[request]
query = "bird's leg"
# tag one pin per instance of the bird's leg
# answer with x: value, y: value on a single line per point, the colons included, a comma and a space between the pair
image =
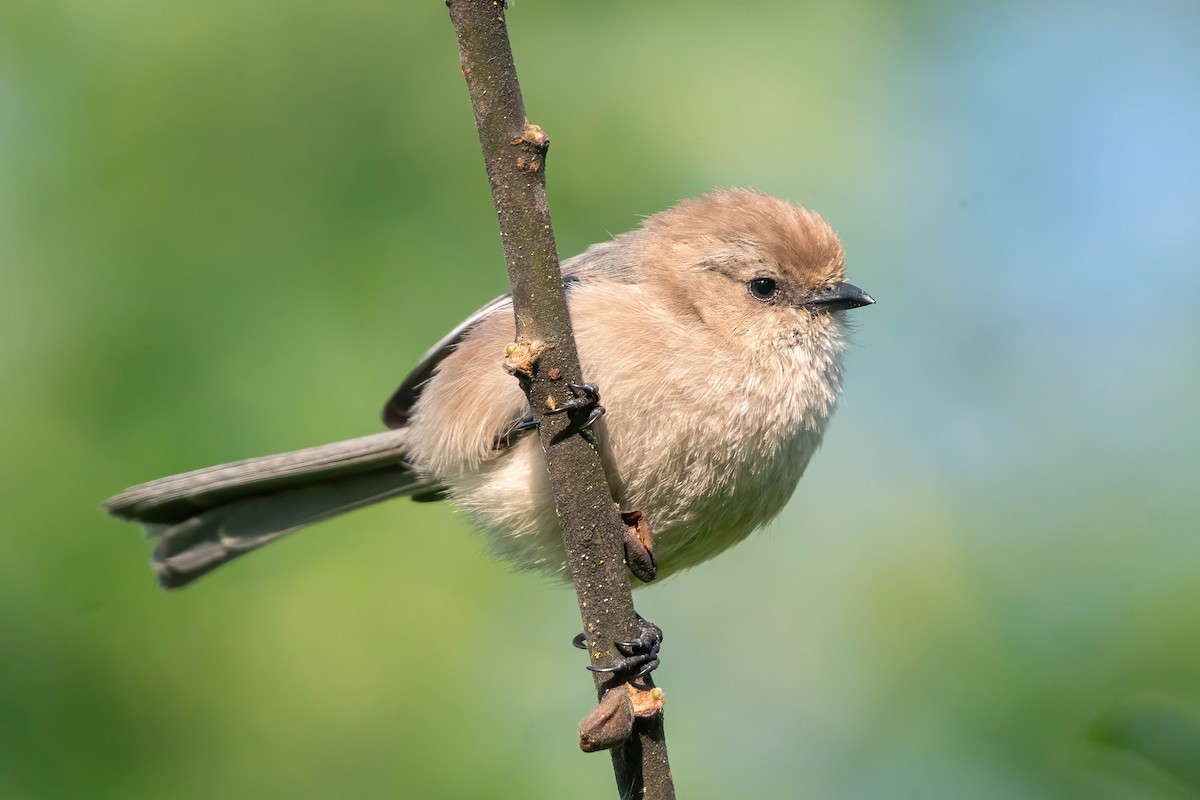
x: 640, y: 655
x: 639, y: 546
x: 585, y: 397
x: 524, y: 425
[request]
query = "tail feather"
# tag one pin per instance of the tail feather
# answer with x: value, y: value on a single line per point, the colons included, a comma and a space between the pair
x: 206, y: 518
x: 177, y: 497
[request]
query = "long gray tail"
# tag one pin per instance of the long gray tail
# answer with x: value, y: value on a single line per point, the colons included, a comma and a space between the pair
x: 206, y: 518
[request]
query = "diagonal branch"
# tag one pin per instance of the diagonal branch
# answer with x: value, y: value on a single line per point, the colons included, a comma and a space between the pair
x: 515, y: 155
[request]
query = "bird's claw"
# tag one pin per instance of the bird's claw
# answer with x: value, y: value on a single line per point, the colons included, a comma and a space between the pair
x: 584, y: 396
x: 640, y: 654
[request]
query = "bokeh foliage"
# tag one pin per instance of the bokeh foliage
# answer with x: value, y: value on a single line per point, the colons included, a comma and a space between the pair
x: 229, y: 228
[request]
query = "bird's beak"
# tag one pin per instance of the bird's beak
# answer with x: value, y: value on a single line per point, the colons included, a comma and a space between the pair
x: 840, y: 297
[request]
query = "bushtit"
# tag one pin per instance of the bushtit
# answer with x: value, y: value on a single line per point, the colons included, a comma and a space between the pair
x: 714, y: 332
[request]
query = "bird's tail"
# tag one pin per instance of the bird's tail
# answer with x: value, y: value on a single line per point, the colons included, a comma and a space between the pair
x: 206, y: 518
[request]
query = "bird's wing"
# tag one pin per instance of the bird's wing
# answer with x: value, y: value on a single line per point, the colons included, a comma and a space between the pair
x: 400, y: 405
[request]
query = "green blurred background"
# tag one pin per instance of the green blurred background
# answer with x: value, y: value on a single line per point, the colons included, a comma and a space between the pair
x: 230, y: 228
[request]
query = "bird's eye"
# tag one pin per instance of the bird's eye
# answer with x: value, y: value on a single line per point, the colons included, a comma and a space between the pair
x: 762, y: 288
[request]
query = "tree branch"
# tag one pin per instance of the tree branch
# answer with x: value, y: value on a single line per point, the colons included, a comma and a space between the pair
x: 514, y: 152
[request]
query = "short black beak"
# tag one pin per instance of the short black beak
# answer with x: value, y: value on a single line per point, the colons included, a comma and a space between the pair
x: 841, y: 296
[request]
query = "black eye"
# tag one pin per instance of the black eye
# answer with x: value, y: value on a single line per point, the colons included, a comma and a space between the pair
x: 762, y: 288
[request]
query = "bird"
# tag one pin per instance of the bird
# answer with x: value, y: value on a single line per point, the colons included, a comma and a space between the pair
x: 715, y: 332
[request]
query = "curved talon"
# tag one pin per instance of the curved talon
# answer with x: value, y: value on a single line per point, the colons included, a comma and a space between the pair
x: 613, y: 668
x: 596, y: 413
x: 649, y: 640
x: 646, y: 670
x: 640, y: 655
x: 586, y: 396
x: 639, y: 663
x: 580, y: 641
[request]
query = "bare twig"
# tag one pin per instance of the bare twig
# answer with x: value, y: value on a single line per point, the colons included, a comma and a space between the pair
x: 515, y: 154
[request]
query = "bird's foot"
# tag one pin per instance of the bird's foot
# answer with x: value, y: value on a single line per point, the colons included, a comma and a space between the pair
x: 586, y: 397
x: 640, y: 656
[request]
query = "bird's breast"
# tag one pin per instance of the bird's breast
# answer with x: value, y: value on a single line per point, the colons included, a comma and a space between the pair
x: 713, y: 455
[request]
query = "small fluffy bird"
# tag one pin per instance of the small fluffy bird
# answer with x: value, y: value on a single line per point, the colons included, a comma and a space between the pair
x: 715, y: 332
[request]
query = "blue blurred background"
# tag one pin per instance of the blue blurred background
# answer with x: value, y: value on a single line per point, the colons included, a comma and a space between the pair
x: 229, y: 228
